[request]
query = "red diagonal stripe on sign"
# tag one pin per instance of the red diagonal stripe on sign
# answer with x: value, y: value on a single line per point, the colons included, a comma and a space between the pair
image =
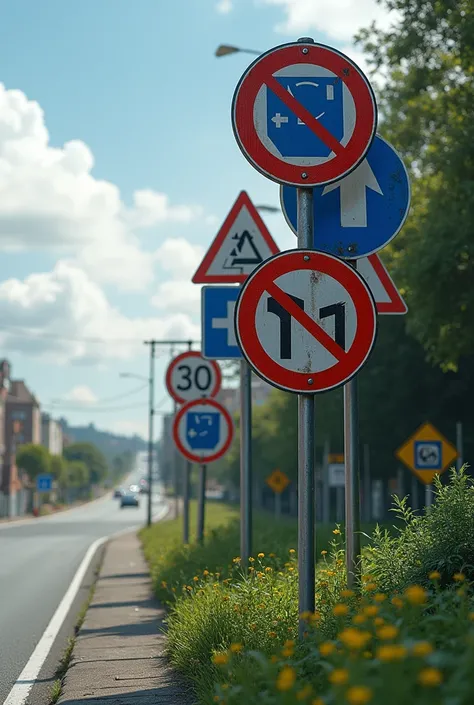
x: 300, y: 111
x: 306, y: 321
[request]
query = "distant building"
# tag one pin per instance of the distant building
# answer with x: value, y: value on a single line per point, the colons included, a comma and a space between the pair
x: 51, y: 435
x: 4, y: 388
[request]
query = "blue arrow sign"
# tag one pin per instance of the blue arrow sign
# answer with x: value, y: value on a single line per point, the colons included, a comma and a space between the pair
x: 361, y: 213
x: 44, y: 483
x: 217, y: 320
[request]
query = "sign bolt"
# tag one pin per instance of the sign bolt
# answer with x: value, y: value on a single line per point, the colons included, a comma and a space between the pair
x: 306, y: 258
x: 304, y: 175
x: 305, y: 50
x: 310, y: 380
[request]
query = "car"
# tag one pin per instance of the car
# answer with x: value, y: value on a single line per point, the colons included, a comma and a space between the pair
x: 118, y: 493
x: 129, y: 500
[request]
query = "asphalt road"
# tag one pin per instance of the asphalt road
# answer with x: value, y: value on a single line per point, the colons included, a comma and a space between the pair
x: 38, y: 560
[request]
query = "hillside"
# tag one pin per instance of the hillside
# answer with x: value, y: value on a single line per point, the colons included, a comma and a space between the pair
x: 110, y: 444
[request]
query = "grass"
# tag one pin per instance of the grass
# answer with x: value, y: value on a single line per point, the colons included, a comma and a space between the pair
x: 406, y: 635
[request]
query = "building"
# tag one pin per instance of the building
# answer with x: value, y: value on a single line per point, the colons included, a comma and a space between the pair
x: 230, y: 396
x: 5, y: 370
x: 51, y: 435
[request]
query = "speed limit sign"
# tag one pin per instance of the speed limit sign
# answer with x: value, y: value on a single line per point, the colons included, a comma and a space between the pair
x: 190, y: 377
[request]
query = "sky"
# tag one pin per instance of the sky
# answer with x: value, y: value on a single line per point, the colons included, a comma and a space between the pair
x: 117, y: 166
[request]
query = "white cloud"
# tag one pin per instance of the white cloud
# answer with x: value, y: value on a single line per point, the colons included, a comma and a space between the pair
x: 178, y: 296
x: 81, y: 394
x: 339, y: 19
x: 180, y: 259
x: 49, y: 199
x: 224, y: 6
x: 55, y: 314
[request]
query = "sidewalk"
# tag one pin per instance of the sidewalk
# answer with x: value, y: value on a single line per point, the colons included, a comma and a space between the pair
x: 119, y: 656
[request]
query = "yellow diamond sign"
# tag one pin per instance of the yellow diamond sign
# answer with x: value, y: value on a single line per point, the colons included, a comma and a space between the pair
x: 278, y: 481
x: 427, y: 453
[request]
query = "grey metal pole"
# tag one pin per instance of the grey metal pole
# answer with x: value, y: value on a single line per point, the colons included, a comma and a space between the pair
x: 306, y: 446
x: 186, y: 481
x: 459, y: 445
x: 326, y: 513
x: 245, y: 463
x: 351, y: 461
x: 414, y: 493
x: 428, y: 495
x: 177, y: 459
x: 339, y: 503
x: 277, y: 505
x: 151, y: 413
x: 367, y: 498
x: 201, y: 503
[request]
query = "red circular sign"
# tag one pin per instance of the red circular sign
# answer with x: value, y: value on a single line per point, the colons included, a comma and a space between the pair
x: 189, y: 376
x: 305, y: 321
x: 220, y: 440
x: 293, y: 145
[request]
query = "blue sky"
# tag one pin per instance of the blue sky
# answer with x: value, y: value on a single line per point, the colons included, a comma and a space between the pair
x: 137, y: 91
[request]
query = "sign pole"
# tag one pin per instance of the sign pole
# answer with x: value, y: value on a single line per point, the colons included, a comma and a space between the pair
x: 351, y: 460
x: 151, y: 413
x: 201, y: 503
x: 459, y: 445
x: 277, y: 505
x: 306, y: 445
x: 245, y: 463
x: 428, y: 495
x: 187, y: 477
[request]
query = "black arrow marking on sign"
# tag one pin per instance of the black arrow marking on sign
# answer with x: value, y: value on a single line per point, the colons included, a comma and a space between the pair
x: 305, y: 116
x: 306, y: 321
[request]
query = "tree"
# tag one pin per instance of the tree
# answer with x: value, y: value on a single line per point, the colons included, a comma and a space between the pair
x: 33, y: 459
x: 426, y: 105
x: 77, y: 474
x: 59, y: 469
x: 91, y: 456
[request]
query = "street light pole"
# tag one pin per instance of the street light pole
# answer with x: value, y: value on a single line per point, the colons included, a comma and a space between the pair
x: 151, y: 412
x: 226, y: 49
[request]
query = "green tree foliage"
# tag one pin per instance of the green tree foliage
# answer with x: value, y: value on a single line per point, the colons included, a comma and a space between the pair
x: 426, y: 106
x: 33, y: 459
x: 91, y: 457
x: 59, y: 469
x: 78, y: 474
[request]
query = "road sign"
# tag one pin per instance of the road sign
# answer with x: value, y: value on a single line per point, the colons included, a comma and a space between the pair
x: 336, y: 475
x: 387, y: 297
x: 189, y: 376
x: 305, y: 321
x: 242, y: 243
x: 44, y: 483
x: 427, y: 453
x: 337, y: 458
x: 217, y: 321
x: 304, y: 114
x: 359, y: 214
x: 203, y: 430
x: 278, y: 481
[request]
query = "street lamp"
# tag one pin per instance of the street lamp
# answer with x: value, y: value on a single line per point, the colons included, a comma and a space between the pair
x: 225, y: 49
x: 133, y: 376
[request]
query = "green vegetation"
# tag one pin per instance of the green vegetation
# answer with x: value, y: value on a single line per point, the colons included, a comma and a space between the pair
x: 33, y: 459
x: 91, y: 457
x: 233, y: 632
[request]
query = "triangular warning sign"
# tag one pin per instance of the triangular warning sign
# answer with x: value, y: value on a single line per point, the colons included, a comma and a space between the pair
x: 387, y: 297
x: 242, y: 243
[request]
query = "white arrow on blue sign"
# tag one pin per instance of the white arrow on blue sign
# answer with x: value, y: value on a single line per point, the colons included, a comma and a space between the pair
x: 361, y: 213
x: 217, y: 320
x: 44, y: 483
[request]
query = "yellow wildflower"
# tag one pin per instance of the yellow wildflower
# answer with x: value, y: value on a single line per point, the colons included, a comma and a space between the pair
x: 314, y: 618
x: 416, y: 595
x: 359, y: 619
x: 358, y: 695
x: 274, y: 658
x: 434, y: 575
x: 205, y: 572
x: 251, y: 560
x: 354, y: 638
x: 289, y: 642
x: 371, y: 610
x: 292, y: 550
x: 236, y: 648
x: 304, y: 693
x: 272, y: 635
x: 195, y: 578
x: 225, y: 598
x: 370, y: 587
x: 237, y: 559
x: 164, y: 584
x: 422, y: 648
x: 305, y: 615
x: 347, y: 593
x: 397, y: 602
x: 287, y: 651
x: 253, y: 626
x: 317, y: 701
x: 388, y: 632
x: 459, y: 577
x: 379, y: 621
x: 430, y: 677
x: 220, y: 659
x: 391, y: 652
x: 323, y: 553
x: 261, y: 555
x: 268, y: 569
x: 340, y: 610
x: 339, y: 676
x: 286, y: 678
x: 326, y: 648
x: 336, y: 532
x: 217, y: 698
x: 380, y: 597
x: 272, y: 555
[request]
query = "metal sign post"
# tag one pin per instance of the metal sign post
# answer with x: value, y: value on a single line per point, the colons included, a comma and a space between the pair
x: 306, y: 446
x: 151, y: 413
x: 201, y: 503
x: 186, y: 488
x: 351, y: 460
x: 245, y: 463
x: 459, y: 445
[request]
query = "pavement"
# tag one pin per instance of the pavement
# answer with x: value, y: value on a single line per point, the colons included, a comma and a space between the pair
x: 119, y: 655
x: 38, y: 560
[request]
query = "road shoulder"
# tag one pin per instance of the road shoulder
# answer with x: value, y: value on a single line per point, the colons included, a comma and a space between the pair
x: 119, y: 652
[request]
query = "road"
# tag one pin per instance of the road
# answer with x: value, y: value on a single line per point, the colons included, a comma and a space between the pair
x: 38, y: 560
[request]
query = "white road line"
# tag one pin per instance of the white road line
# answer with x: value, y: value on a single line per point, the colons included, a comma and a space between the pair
x: 27, y: 678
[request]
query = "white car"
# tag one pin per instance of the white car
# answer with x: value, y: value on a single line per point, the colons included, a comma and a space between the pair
x: 134, y: 488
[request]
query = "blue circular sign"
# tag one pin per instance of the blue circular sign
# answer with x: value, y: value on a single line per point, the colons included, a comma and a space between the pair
x: 361, y: 213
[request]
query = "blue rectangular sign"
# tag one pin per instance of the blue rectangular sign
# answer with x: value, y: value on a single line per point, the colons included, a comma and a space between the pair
x: 44, y: 483
x: 217, y: 320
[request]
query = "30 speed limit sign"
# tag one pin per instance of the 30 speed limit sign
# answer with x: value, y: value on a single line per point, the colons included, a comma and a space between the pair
x: 190, y: 377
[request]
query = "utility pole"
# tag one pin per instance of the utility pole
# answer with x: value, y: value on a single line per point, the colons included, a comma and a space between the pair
x: 151, y: 413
